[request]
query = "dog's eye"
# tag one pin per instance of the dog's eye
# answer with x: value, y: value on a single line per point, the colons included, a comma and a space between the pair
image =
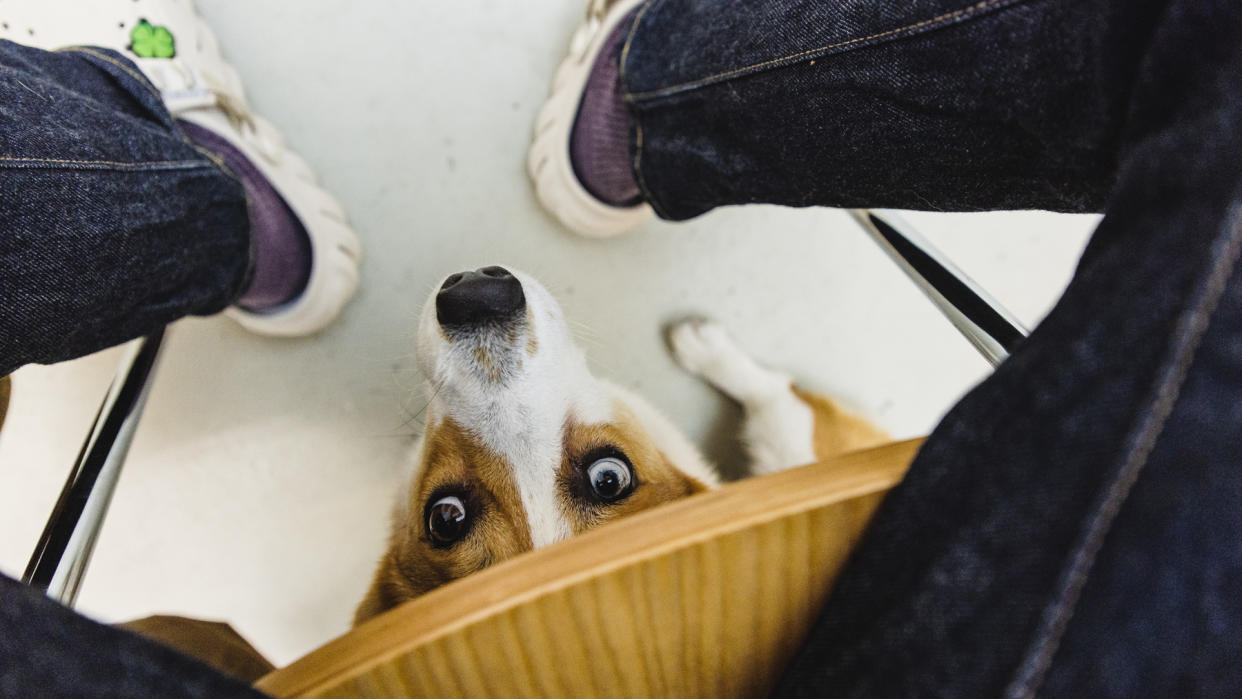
x: 446, y: 520
x: 610, y: 479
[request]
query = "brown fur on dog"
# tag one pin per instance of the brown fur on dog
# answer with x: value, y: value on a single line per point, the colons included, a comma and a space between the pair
x: 838, y: 431
x: 659, y: 480
x: 5, y: 389
x: 453, y: 458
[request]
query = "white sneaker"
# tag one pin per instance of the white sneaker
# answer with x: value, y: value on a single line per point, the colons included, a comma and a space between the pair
x: 178, y: 53
x: 548, y: 162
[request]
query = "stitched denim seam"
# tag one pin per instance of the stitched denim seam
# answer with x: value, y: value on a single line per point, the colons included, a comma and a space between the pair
x: 947, y: 18
x: 60, y: 163
x: 146, y: 84
x: 637, y: 164
x: 142, y: 80
x: 215, y: 159
x: 648, y: 195
x: 1192, y: 327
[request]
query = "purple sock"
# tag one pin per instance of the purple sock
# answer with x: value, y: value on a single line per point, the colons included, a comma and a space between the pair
x: 599, y: 146
x: 282, y: 249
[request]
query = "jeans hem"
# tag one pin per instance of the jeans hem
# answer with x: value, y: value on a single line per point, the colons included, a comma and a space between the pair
x: 636, y: 164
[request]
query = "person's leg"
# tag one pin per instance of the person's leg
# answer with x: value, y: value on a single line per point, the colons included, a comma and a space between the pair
x: 113, y: 222
x: 48, y: 651
x: 936, y: 104
x: 1073, y: 526
x: 138, y: 186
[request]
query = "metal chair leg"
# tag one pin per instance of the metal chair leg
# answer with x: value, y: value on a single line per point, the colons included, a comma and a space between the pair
x: 64, y: 550
x: 984, y: 322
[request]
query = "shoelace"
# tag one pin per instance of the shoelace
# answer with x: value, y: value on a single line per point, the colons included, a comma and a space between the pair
x: 184, y: 89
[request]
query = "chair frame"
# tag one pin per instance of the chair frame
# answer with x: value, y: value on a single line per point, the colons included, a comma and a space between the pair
x: 63, y: 554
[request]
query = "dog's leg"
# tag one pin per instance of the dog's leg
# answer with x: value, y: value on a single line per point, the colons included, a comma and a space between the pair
x: 784, y: 426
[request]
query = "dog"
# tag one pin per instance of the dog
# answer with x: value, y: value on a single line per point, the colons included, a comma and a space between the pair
x: 523, y: 447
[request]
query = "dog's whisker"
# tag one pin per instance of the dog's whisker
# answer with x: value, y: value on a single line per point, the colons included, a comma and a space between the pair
x: 584, y: 332
x: 411, y: 421
x: 426, y: 404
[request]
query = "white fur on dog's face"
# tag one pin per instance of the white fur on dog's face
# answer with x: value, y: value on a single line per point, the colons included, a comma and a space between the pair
x: 514, y: 417
x: 515, y: 393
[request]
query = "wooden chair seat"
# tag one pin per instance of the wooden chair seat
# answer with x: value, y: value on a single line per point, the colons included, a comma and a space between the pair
x: 709, y: 596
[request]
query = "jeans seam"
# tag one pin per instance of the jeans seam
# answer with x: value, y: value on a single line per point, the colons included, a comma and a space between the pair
x: 858, y: 42
x: 215, y: 159
x: 647, y: 194
x: 637, y: 164
x: 52, y: 163
x: 1192, y: 326
x: 141, y: 79
x: 146, y: 84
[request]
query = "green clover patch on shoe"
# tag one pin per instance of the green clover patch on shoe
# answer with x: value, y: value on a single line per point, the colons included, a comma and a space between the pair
x: 152, y: 41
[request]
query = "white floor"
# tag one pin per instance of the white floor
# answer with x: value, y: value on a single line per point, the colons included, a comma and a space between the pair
x: 258, y: 488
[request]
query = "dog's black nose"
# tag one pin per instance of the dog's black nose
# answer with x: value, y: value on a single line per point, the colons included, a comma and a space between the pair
x: 485, y: 295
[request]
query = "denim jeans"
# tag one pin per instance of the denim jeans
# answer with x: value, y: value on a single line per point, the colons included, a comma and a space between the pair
x: 1073, y: 527
x: 112, y: 223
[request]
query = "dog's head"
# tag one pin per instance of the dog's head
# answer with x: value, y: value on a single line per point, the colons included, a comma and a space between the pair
x: 523, y: 447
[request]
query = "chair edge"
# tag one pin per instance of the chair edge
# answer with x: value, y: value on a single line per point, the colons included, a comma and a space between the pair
x: 645, y: 536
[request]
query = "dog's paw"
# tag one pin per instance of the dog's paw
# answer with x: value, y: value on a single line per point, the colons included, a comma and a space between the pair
x: 700, y: 344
